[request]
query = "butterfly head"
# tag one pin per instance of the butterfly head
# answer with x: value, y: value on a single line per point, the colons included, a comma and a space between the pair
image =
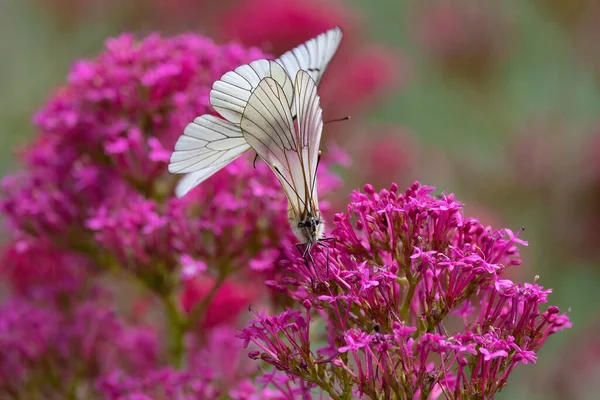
x: 310, y: 228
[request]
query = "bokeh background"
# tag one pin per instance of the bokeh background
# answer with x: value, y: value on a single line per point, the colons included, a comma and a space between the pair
x: 496, y: 102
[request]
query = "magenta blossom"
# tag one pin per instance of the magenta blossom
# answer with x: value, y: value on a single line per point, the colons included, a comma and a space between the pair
x: 93, y: 208
x: 390, y: 291
x: 39, y: 340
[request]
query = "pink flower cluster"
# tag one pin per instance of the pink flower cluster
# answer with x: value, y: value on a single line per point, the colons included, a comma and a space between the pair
x: 415, y: 303
x: 51, y: 345
x: 96, y: 228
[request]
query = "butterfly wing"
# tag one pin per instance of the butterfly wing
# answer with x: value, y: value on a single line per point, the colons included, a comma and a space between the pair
x: 207, y: 145
x: 230, y: 94
x: 193, y: 179
x: 310, y: 127
x: 292, y: 153
x: 313, y: 56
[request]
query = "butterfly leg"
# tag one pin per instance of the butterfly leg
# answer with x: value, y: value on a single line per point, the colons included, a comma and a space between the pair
x: 329, y: 239
x: 254, y: 162
x: 303, y: 254
x: 312, y: 260
x: 320, y: 243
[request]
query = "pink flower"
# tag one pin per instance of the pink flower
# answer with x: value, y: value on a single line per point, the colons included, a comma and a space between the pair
x: 39, y: 339
x: 390, y: 151
x: 280, y: 26
x: 228, y: 302
x: 410, y: 257
x: 41, y: 269
x: 191, y: 268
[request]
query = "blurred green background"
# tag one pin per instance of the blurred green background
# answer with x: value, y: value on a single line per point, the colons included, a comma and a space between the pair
x: 511, y: 133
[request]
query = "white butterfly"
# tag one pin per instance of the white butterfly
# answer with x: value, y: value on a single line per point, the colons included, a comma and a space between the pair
x: 290, y: 146
x: 210, y: 143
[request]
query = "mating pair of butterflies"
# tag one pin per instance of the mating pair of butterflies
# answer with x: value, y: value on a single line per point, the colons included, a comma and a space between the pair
x: 272, y: 107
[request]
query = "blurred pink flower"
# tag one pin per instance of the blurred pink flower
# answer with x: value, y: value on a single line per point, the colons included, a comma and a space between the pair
x: 39, y: 340
x: 228, y: 302
x: 39, y: 269
x: 94, y: 196
x: 278, y: 26
x: 387, y: 151
x: 216, y: 370
x: 466, y: 38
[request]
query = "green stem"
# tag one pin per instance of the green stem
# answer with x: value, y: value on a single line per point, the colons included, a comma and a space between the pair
x: 177, y: 329
x: 326, y: 386
x: 409, y: 296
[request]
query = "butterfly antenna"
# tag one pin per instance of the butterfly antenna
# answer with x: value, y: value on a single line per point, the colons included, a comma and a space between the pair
x: 286, y: 181
x: 346, y: 118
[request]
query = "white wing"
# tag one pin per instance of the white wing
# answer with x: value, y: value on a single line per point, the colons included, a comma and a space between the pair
x: 291, y: 152
x: 312, y: 56
x: 207, y: 145
x: 229, y: 95
x: 310, y: 127
x: 191, y: 180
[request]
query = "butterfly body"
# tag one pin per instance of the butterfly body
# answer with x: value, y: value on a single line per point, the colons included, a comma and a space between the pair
x: 309, y: 229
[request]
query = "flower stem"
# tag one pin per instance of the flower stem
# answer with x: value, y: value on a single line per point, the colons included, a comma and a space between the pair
x: 409, y: 296
x: 177, y: 329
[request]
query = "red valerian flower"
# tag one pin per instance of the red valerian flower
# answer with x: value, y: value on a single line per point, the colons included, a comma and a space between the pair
x: 403, y: 265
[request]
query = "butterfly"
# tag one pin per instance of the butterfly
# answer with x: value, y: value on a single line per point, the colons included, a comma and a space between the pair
x: 285, y: 131
x: 210, y: 143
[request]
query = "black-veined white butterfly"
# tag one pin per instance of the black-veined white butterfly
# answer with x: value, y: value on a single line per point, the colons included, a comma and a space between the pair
x: 290, y: 146
x: 210, y: 143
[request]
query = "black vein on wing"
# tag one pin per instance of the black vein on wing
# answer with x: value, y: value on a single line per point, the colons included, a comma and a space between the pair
x: 304, y: 115
x: 288, y: 133
x: 281, y: 143
x: 220, y: 154
x: 248, y: 69
x: 283, y: 129
x: 310, y: 131
x: 219, y: 123
x: 204, y: 152
x: 228, y: 94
